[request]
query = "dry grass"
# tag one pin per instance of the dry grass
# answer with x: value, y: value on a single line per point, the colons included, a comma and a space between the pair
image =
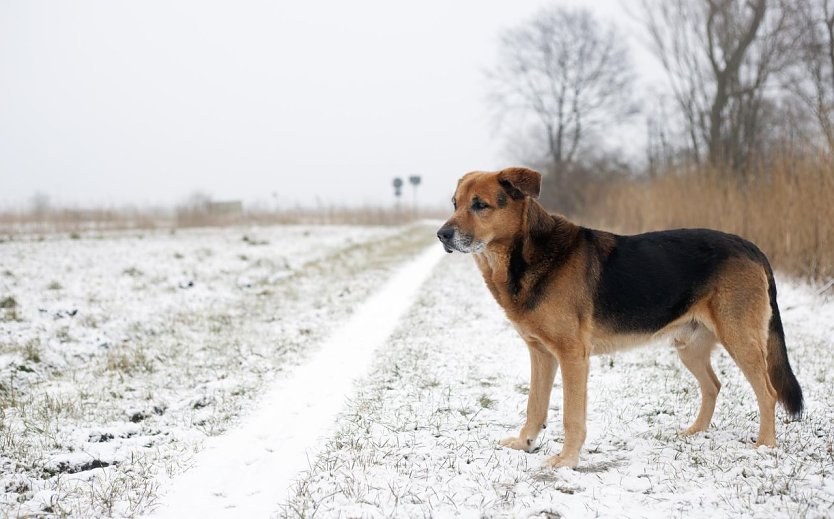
x: 787, y: 211
x: 368, y: 215
x: 75, y: 221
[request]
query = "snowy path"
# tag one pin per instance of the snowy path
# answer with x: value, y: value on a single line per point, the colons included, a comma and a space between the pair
x: 247, y: 472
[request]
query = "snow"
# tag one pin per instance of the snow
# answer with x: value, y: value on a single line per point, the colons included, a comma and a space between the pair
x: 148, y: 345
x: 247, y: 471
x: 208, y: 350
x: 421, y: 435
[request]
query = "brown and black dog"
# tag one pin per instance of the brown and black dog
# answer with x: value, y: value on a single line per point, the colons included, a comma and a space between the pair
x: 573, y: 292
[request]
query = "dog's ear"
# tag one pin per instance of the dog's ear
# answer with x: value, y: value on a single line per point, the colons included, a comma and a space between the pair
x: 520, y: 182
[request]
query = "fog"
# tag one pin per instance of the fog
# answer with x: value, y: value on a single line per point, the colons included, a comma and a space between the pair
x: 313, y: 103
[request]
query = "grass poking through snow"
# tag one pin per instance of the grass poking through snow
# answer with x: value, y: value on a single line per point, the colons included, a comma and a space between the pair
x: 420, y: 437
x: 114, y: 373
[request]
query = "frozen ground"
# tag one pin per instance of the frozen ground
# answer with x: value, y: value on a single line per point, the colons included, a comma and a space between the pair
x: 420, y: 437
x: 120, y: 354
x: 246, y: 471
x: 124, y: 355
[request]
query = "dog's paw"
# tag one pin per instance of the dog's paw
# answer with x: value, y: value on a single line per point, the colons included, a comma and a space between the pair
x: 562, y: 460
x: 520, y: 444
x: 690, y: 431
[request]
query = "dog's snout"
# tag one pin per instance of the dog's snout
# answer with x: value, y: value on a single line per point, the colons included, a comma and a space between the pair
x: 446, y: 233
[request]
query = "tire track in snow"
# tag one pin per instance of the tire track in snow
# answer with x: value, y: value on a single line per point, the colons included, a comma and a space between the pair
x: 247, y: 472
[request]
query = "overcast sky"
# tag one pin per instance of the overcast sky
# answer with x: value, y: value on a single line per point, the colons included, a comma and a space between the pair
x: 113, y: 102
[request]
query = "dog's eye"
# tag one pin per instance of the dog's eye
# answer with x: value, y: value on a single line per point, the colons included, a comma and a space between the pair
x: 454, y: 204
x: 478, y: 205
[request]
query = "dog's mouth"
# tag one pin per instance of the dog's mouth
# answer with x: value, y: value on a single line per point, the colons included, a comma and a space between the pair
x: 454, y: 240
x: 463, y: 243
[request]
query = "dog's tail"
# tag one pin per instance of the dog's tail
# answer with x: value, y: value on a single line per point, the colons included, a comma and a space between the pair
x: 778, y: 366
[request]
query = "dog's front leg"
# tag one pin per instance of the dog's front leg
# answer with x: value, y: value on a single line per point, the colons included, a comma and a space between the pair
x: 575, y: 364
x: 542, y: 371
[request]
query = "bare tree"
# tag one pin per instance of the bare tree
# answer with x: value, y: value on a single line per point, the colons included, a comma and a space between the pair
x: 720, y: 56
x: 566, y: 74
x: 813, y: 79
x: 660, y: 151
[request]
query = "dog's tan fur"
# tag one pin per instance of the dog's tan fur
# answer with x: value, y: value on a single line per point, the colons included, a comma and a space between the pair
x: 561, y: 331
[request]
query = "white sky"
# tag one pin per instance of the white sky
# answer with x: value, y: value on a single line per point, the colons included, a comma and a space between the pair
x: 113, y: 101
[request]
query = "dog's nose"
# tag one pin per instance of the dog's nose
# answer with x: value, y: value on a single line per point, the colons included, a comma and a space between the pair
x: 446, y: 233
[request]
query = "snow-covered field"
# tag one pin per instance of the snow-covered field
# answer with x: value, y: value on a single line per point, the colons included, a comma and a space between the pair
x: 420, y: 436
x: 120, y: 354
x: 124, y: 355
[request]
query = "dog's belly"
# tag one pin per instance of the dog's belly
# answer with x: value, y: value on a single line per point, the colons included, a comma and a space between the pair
x: 609, y: 344
x: 547, y: 326
x: 678, y: 333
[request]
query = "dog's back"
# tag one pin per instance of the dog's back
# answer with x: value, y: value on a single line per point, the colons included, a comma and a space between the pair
x: 648, y: 280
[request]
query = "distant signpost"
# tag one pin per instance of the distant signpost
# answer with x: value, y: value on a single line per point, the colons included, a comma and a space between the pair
x: 414, y: 180
x: 398, y: 190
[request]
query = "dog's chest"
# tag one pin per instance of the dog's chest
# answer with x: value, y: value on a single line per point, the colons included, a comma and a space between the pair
x: 494, y: 271
x: 496, y: 277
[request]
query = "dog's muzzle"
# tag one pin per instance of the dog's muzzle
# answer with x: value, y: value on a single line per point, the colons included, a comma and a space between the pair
x: 446, y: 235
x: 454, y: 240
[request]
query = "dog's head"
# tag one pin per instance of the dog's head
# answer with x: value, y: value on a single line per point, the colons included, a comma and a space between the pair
x: 488, y: 208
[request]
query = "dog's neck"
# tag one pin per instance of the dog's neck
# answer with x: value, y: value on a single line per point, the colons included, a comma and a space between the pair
x: 513, y: 268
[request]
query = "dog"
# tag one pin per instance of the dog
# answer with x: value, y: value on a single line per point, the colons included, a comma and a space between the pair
x: 572, y: 292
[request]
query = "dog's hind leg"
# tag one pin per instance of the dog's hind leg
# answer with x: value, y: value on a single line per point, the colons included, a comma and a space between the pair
x: 749, y: 353
x: 741, y: 313
x: 695, y: 354
x: 543, y: 365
